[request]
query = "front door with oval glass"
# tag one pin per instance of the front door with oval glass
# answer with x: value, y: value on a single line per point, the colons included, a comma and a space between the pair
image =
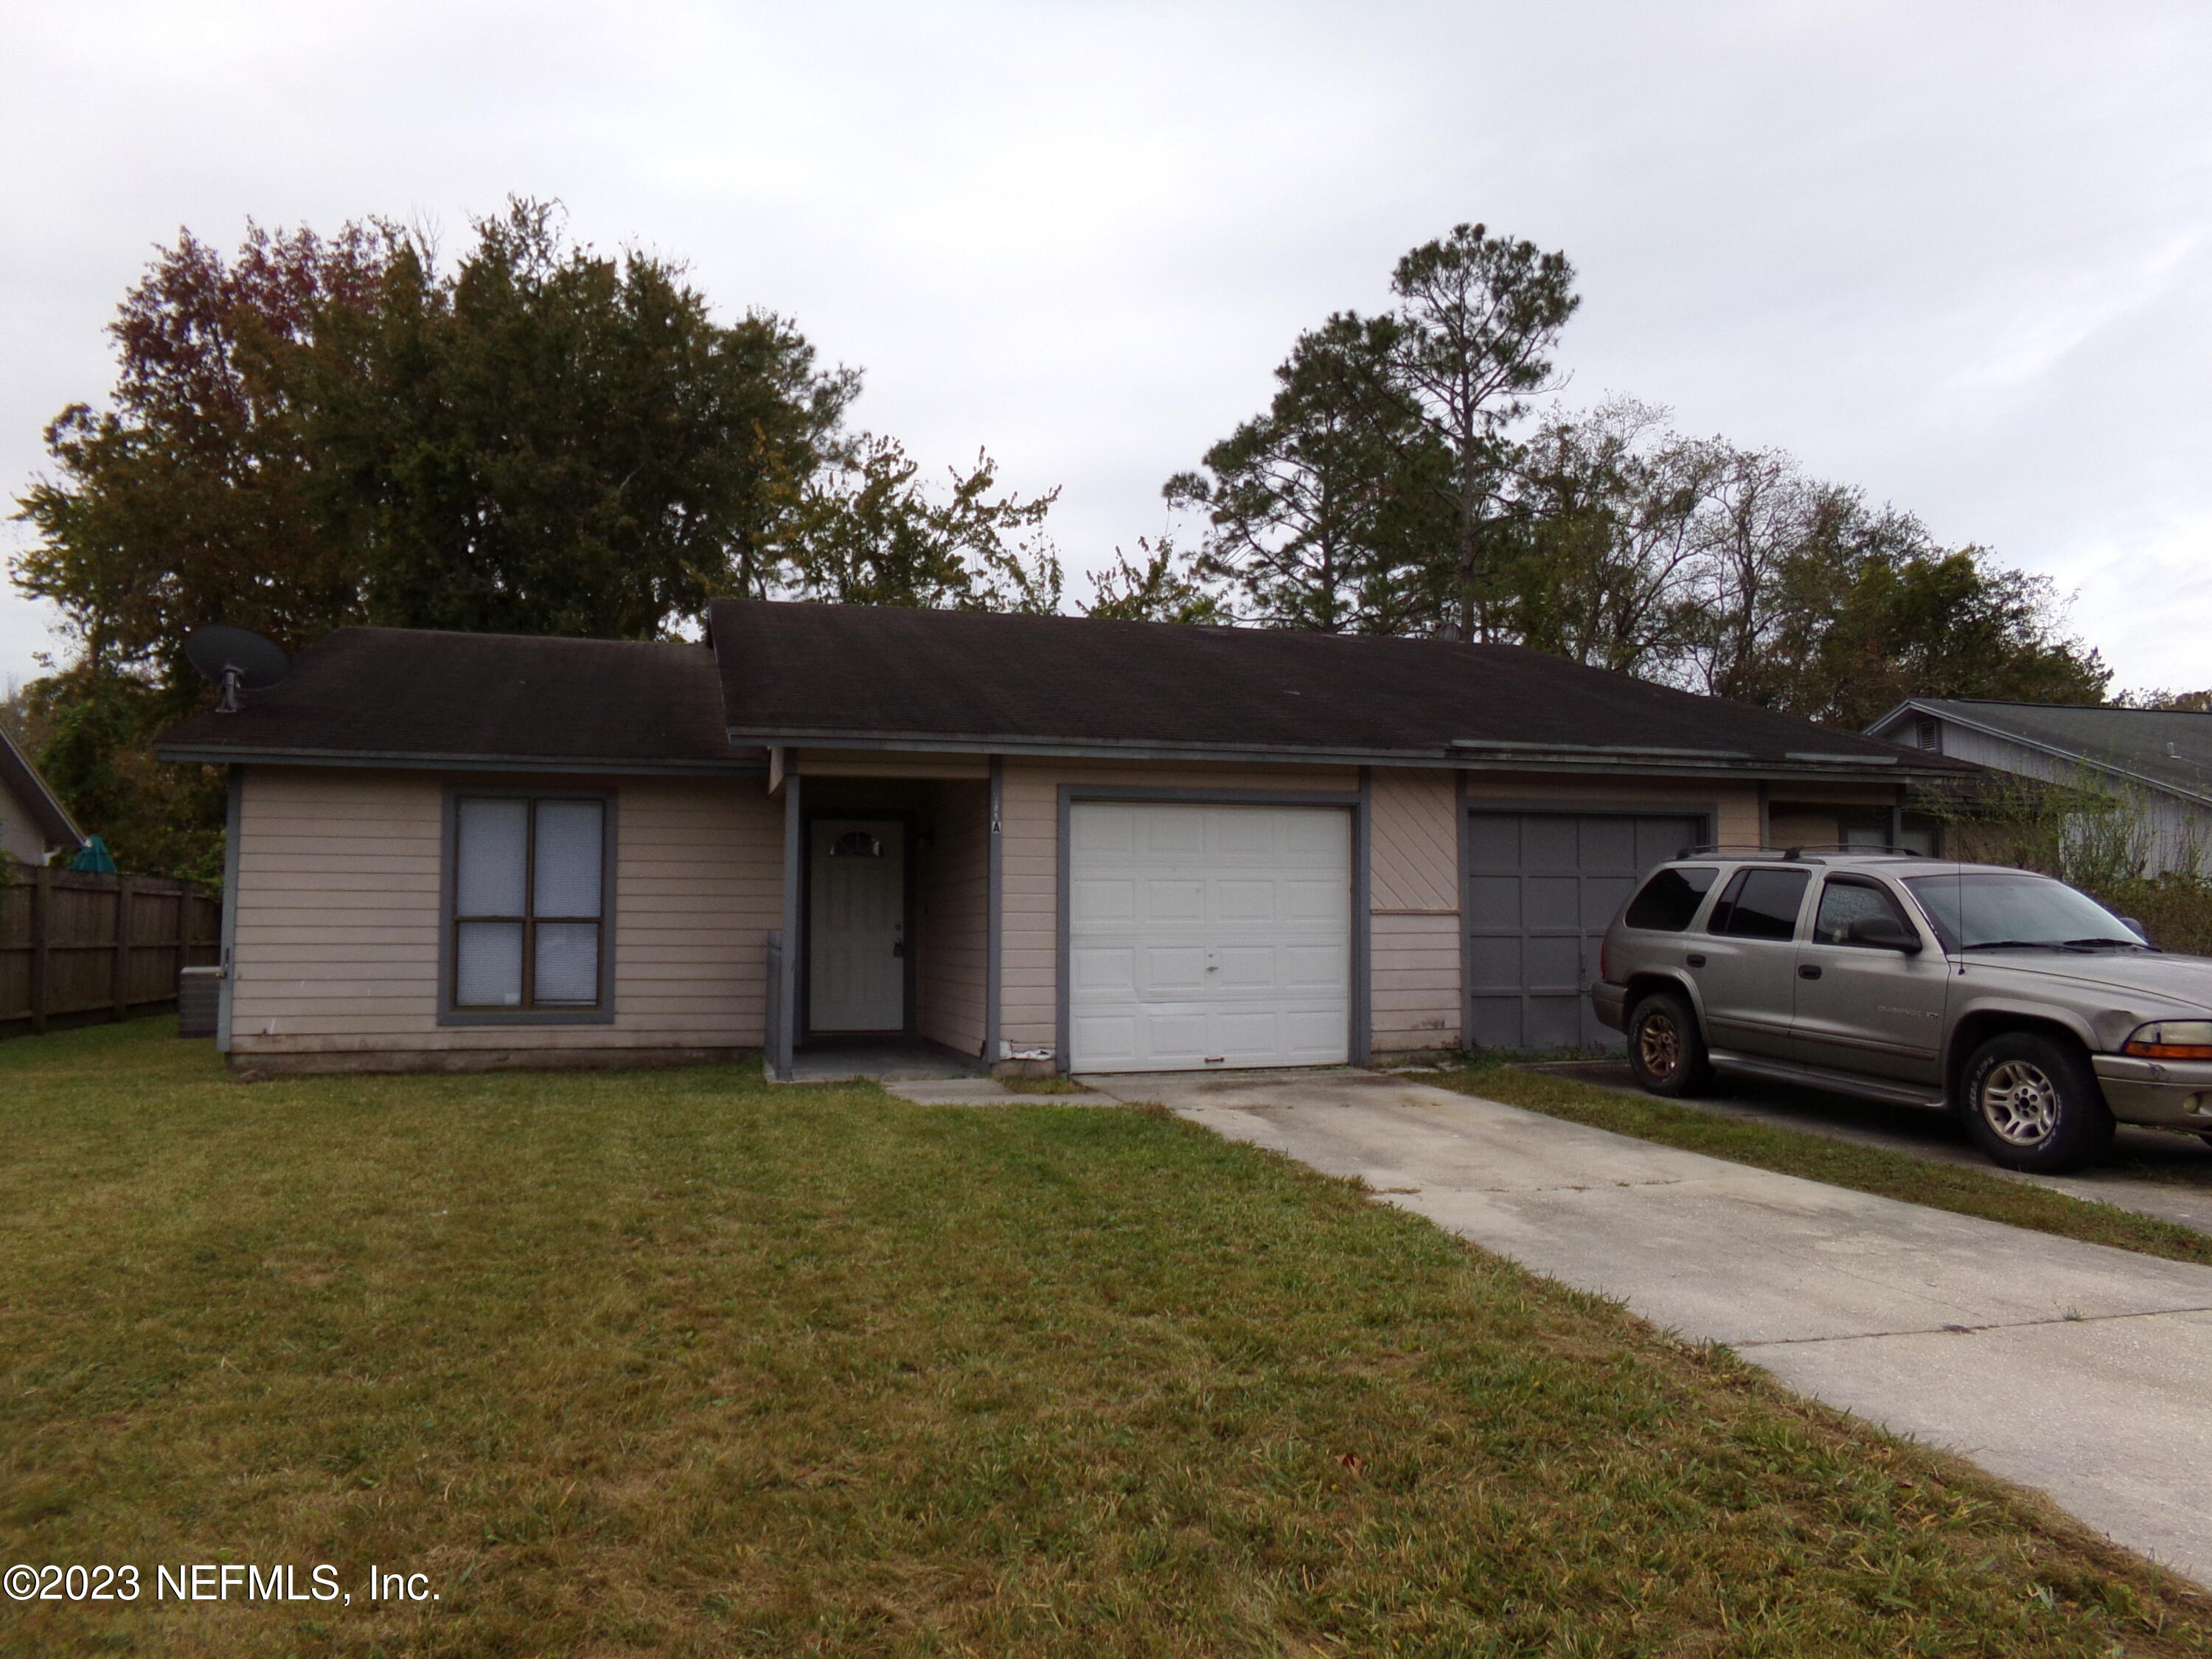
x: 856, y: 925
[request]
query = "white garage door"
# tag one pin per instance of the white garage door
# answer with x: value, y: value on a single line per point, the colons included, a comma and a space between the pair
x: 1208, y: 936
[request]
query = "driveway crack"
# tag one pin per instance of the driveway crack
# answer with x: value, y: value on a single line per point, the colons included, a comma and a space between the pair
x: 1970, y: 1330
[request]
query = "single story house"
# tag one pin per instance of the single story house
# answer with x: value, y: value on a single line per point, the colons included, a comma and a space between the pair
x: 33, y: 823
x: 1046, y: 843
x: 2161, y: 759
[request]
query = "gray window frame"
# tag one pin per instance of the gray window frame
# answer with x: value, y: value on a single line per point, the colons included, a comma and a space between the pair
x: 449, y: 870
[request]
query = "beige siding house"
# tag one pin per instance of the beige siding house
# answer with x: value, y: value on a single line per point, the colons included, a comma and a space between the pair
x: 1021, y: 843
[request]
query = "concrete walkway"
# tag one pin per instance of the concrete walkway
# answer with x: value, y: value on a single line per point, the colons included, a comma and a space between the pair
x: 2074, y: 1368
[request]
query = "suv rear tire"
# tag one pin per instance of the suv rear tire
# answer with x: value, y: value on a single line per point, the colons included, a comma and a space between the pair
x: 1666, y: 1051
x: 2032, y: 1102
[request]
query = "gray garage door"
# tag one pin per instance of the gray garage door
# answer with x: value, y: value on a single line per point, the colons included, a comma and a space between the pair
x: 1541, y: 889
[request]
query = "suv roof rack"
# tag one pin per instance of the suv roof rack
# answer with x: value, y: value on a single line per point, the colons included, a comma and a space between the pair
x: 1804, y: 853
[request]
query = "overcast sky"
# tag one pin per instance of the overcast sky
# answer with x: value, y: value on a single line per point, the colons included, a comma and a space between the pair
x: 1959, y: 254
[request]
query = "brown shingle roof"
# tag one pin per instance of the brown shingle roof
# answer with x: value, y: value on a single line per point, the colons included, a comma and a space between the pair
x: 851, y: 676
x: 366, y: 695
x: 834, y: 674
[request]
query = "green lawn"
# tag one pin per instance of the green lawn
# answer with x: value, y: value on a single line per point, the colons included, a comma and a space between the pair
x: 677, y: 1364
x: 1964, y: 1188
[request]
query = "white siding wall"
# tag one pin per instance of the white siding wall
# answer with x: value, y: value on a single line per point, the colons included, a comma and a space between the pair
x: 337, y: 900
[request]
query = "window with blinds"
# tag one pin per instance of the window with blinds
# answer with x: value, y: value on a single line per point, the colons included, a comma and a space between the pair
x: 529, y: 881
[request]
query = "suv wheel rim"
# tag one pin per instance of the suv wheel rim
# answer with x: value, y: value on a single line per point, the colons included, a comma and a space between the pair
x: 2020, y: 1103
x: 1658, y: 1046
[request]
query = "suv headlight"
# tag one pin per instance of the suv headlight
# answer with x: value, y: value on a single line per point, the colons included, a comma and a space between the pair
x: 2171, y: 1039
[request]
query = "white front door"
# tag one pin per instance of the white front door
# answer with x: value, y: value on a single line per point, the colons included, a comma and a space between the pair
x: 856, y: 925
x: 1208, y: 936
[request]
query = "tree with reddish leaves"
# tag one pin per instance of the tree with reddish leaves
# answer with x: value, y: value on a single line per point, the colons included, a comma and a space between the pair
x: 537, y: 438
x: 189, y: 498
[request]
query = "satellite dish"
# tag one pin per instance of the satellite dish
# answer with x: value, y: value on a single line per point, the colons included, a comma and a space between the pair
x: 236, y: 661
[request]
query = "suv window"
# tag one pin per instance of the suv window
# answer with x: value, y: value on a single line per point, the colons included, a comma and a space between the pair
x: 1847, y: 899
x: 1760, y: 904
x: 1670, y: 899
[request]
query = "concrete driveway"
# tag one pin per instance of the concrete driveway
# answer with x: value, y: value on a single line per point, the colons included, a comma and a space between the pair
x: 2075, y: 1368
x: 2150, y: 1171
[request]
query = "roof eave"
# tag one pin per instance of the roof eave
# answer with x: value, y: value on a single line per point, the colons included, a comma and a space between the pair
x: 55, y: 824
x: 2073, y: 756
x: 1464, y: 756
x: 1911, y: 703
x: 230, y: 755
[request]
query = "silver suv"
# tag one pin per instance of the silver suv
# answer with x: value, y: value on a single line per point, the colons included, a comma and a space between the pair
x: 2036, y: 1014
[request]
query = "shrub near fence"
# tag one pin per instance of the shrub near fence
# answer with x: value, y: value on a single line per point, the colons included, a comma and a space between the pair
x: 76, y: 947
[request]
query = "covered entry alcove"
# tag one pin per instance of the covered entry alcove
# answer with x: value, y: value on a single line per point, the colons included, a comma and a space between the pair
x: 887, y: 871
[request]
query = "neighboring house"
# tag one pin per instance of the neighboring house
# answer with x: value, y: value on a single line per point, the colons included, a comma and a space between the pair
x: 1045, y: 843
x: 2161, y: 759
x: 32, y: 823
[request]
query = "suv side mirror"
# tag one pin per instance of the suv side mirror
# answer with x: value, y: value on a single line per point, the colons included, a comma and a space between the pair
x: 2136, y: 928
x: 1884, y: 933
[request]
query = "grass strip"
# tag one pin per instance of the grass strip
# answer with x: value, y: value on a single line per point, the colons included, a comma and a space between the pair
x: 677, y: 1364
x: 1042, y: 1085
x: 1838, y: 1162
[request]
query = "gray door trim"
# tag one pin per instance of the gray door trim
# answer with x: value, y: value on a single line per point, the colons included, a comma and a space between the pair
x: 1362, y: 1047
x: 233, y: 824
x: 1709, y: 810
x: 783, y: 1042
x: 994, y: 943
x: 1465, y: 818
x: 1359, y: 1039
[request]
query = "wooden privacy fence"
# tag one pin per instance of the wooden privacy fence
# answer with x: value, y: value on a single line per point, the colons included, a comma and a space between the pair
x: 74, y: 947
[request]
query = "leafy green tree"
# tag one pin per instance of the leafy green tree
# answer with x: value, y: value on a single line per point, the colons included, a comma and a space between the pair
x: 1611, y: 515
x: 1871, y: 611
x: 1469, y: 345
x: 1859, y: 609
x: 866, y: 533
x: 192, y: 497
x: 2185, y: 702
x: 536, y: 438
x: 1377, y: 492
x: 1324, y: 513
x: 549, y: 441
x: 97, y: 757
x: 1159, y: 585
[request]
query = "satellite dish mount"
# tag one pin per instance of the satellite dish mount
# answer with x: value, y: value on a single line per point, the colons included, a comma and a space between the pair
x: 237, y: 661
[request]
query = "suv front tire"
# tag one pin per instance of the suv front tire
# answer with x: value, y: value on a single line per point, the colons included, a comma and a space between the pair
x: 2032, y: 1102
x: 1666, y: 1051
